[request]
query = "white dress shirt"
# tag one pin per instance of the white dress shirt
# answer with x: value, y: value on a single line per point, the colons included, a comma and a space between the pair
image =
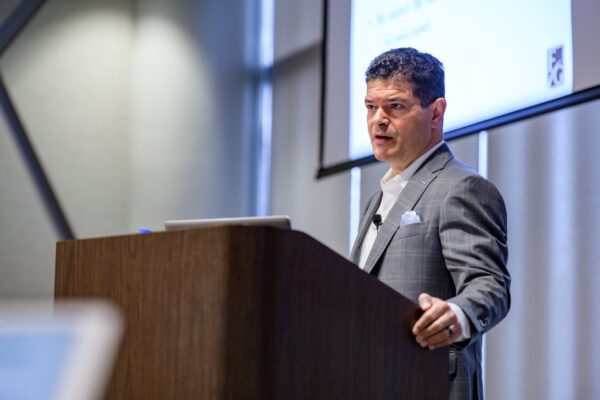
x: 391, y: 187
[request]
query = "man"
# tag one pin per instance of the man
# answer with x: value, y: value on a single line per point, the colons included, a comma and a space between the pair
x: 436, y: 232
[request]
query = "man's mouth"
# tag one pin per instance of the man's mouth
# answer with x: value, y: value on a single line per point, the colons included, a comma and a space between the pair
x: 382, y: 137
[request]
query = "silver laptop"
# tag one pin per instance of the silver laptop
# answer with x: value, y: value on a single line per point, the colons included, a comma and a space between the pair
x: 279, y: 221
x: 60, y: 353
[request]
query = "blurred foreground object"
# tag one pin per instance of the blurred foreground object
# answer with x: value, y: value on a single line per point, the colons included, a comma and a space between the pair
x: 64, y: 353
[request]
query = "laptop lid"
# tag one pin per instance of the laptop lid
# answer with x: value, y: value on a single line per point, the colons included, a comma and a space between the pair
x: 279, y: 221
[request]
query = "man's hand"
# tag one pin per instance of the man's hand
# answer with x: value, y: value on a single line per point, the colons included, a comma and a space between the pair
x: 438, y: 326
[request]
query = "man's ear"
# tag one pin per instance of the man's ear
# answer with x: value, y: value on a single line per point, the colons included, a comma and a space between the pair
x: 437, y: 116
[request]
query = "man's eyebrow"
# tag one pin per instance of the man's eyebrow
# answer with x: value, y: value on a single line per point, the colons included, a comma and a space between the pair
x: 395, y: 98
x: 387, y: 101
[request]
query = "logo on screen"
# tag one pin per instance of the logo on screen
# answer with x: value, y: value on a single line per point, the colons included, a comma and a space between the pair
x: 556, y: 67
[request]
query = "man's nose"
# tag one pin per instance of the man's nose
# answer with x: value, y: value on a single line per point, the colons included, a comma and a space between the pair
x: 380, y: 117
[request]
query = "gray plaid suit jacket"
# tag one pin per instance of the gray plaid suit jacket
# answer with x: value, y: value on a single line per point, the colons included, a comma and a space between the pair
x: 457, y: 252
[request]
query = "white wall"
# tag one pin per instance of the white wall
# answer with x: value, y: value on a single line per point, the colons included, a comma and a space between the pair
x: 320, y: 208
x: 189, y: 128
x: 548, y: 171
x: 27, y: 236
x: 138, y: 113
x: 68, y: 74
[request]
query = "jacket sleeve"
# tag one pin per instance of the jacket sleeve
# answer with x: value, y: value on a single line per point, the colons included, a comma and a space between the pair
x: 473, y: 236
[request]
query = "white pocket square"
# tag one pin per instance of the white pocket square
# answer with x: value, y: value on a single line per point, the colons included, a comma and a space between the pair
x: 410, y: 217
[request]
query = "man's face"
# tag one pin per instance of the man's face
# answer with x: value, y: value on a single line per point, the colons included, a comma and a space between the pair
x: 399, y: 128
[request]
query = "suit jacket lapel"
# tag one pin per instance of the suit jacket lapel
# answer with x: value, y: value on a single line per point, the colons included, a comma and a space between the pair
x: 407, y: 200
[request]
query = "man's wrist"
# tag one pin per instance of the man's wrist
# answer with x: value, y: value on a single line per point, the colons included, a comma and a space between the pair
x: 463, y: 321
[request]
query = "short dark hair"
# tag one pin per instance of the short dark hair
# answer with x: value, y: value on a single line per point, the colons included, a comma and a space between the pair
x: 423, y: 71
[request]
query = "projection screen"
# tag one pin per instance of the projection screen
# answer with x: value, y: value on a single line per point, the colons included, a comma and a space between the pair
x: 504, y: 61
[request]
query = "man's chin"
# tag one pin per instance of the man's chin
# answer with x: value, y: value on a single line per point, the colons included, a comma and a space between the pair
x: 379, y: 156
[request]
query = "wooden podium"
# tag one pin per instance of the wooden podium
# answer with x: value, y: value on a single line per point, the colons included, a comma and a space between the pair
x: 249, y: 313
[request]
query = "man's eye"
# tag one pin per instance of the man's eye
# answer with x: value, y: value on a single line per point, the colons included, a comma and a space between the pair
x: 370, y: 107
x: 395, y: 106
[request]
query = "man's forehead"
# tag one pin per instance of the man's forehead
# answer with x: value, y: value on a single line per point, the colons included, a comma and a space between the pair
x: 389, y: 87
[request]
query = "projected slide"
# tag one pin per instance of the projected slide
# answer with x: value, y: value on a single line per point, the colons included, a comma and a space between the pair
x: 499, y: 56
